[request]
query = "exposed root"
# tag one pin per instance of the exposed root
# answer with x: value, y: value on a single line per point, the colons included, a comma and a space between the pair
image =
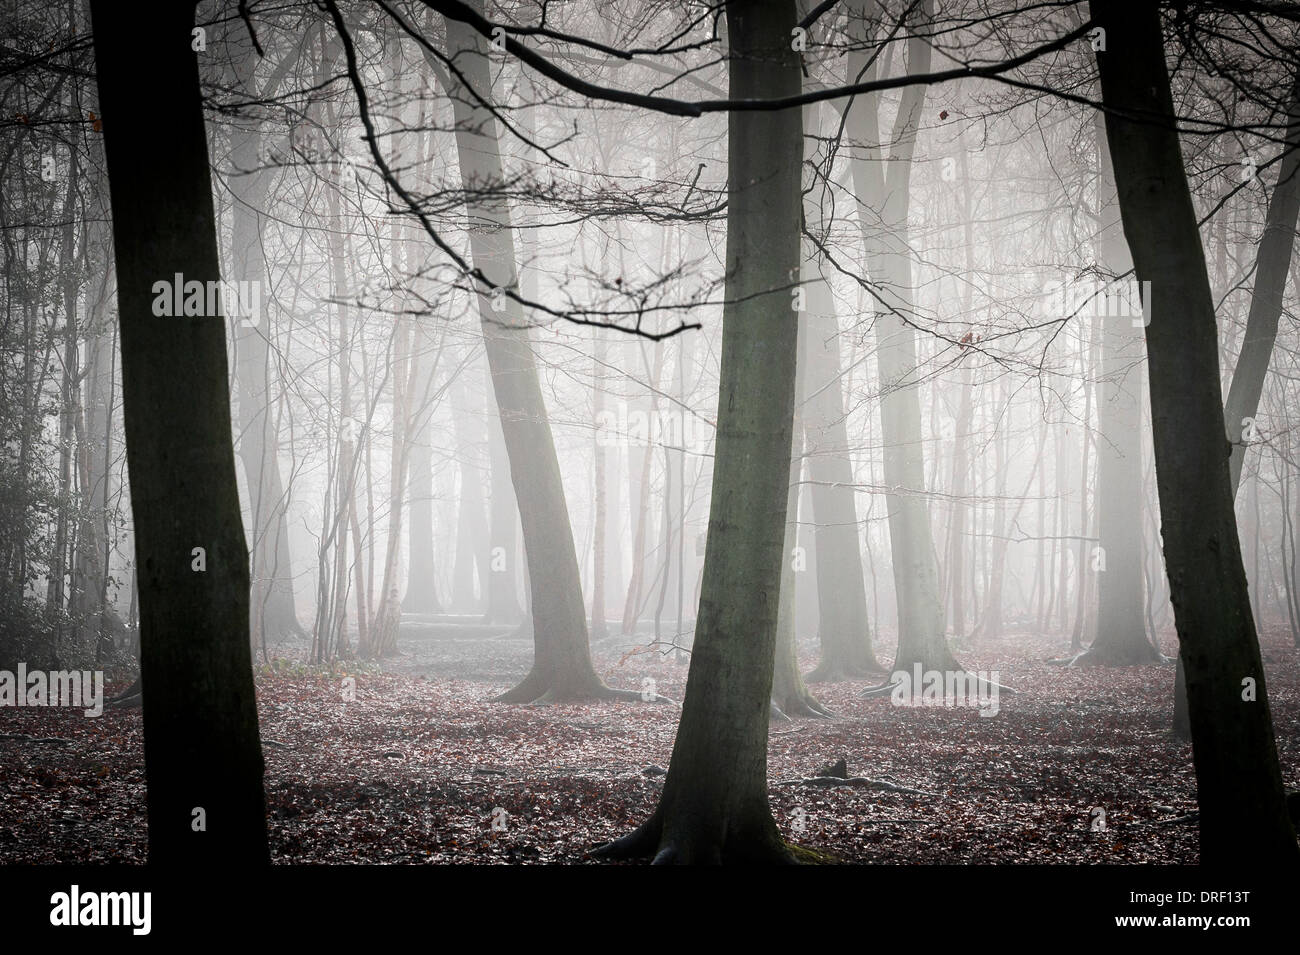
x: 802, y: 705
x: 884, y: 689
x: 805, y: 856
x: 133, y: 690
x: 887, y: 689
x: 641, y: 843
x: 535, y: 691
x: 1171, y: 821
x: 855, y: 782
x: 710, y: 852
x: 21, y: 737
x: 1144, y: 655
x: 825, y: 673
x: 647, y: 842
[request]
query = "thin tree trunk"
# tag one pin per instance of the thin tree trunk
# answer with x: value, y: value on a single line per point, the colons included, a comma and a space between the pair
x: 884, y: 191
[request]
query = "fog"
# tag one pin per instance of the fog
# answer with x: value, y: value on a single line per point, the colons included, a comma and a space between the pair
x: 748, y: 412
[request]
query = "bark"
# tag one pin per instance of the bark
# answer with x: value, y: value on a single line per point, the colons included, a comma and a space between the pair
x: 714, y: 807
x: 636, y: 582
x: 202, y: 749
x: 1243, y: 816
x: 1271, y: 265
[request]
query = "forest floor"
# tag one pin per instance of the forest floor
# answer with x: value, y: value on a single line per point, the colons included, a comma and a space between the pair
x: 1076, y: 767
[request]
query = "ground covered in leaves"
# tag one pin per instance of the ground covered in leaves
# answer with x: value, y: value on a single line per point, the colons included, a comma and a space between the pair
x: 1076, y: 767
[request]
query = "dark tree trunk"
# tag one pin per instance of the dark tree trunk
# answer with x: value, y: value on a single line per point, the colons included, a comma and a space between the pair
x: 202, y: 750
x: 1271, y: 265
x: 715, y: 806
x: 1243, y: 816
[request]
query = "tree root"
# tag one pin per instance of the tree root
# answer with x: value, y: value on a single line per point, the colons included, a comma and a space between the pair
x: 130, y: 693
x: 887, y: 689
x: 646, y: 842
x: 22, y: 737
x: 802, y: 705
x: 640, y: 843
x: 1171, y: 821
x: 533, y: 691
x: 844, y: 674
x: 855, y: 782
x: 1093, y: 657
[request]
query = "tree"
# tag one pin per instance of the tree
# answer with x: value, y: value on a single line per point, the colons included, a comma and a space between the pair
x: 1271, y: 265
x: 1121, y: 631
x: 203, y: 757
x: 843, y: 630
x: 1243, y: 812
x: 562, y: 668
x: 714, y: 807
x: 273, y: 611
x: 884, y: 195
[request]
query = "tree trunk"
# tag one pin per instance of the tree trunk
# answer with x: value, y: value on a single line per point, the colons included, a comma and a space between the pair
x: 203, y: 757
x: 562, y: 668
x: 884, y: 197
x: 599, y: 626
x: 272, y: 612
x: 421, y: 592
x: 1271, y: 265
x: 789, y: 692
x: 845, y: 635
x: 714, y: 807
x: 503, y: 590
x: 1243, y: 815
x: 1121, y: 633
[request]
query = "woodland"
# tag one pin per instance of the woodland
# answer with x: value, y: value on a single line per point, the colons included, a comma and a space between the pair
x: 613, y: 432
